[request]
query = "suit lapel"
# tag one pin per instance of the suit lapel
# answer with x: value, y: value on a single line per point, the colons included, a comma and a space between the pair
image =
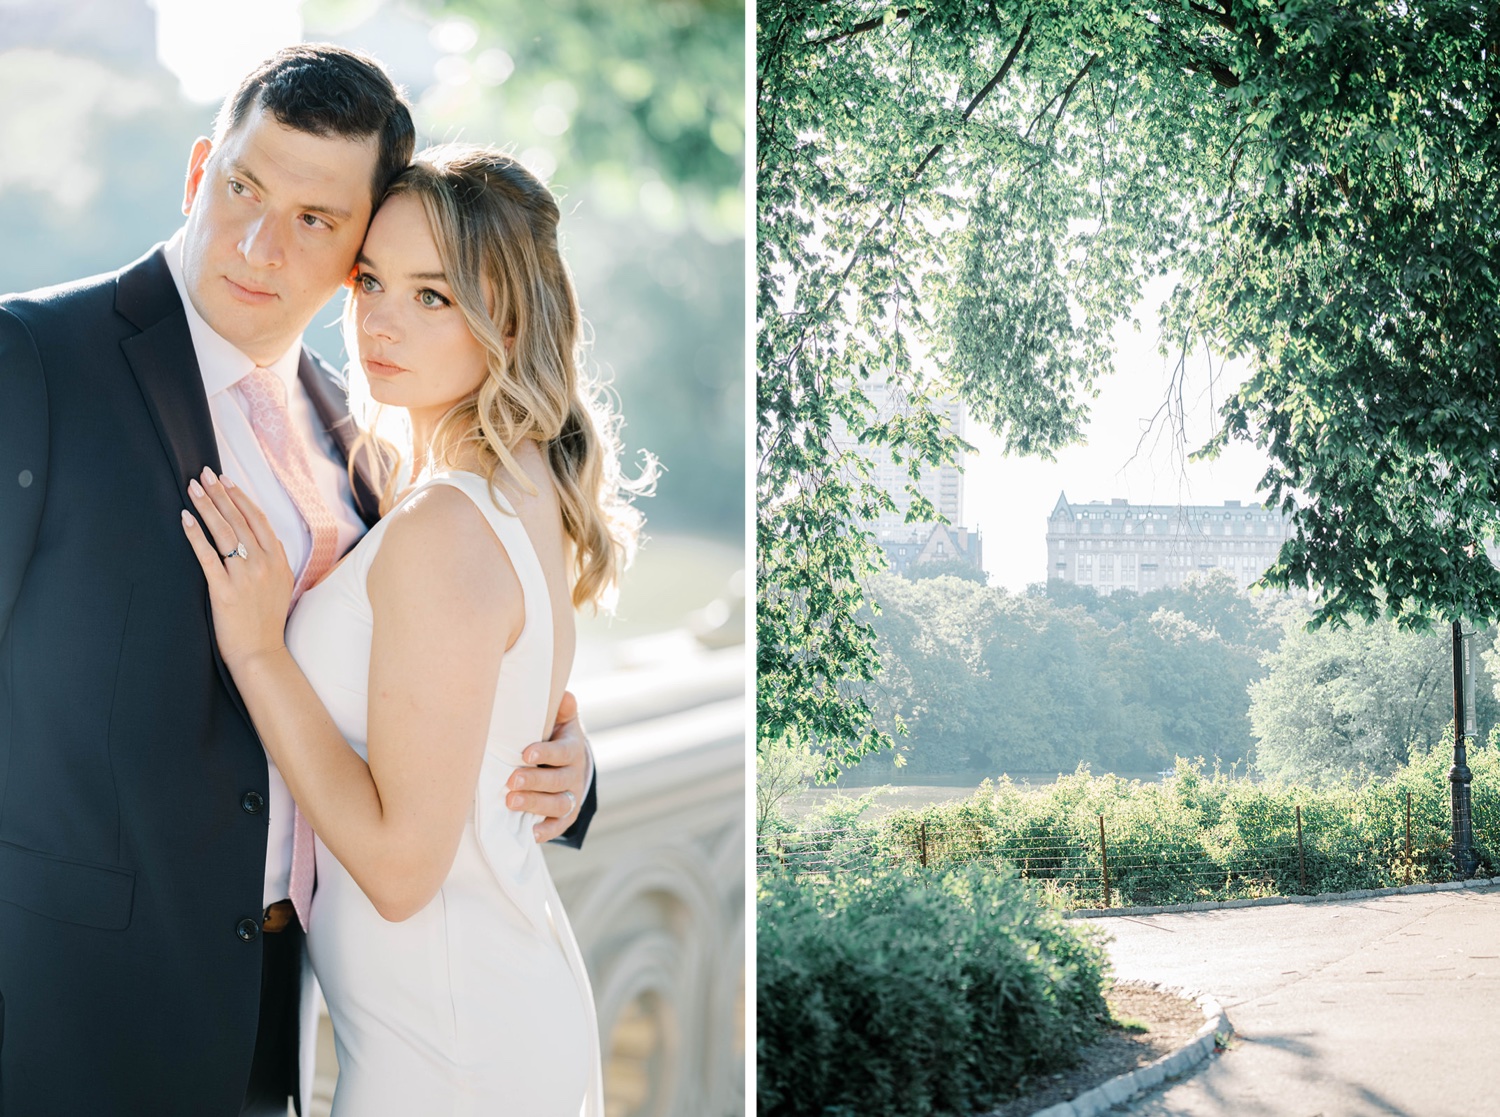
x: 166, y: 368
x: 331, y: 403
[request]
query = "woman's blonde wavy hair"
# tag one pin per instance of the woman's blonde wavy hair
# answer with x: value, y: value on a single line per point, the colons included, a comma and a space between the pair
x: 495, y: 226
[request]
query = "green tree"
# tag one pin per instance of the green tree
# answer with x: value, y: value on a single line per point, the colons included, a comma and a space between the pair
x: 1362, y: 277
x: 962, y: 180
x: 782, y: 769
x: 1350, y: 700
x: 988, y: 186
x: 642, y: 105
x: 953, y: 567
x: 1195, y: 682
x: 640, y: 91
x: 985, y: 681
x: 931, y: 686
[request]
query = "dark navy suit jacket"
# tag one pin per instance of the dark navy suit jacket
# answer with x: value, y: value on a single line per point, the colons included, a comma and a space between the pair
x: 131, y: 847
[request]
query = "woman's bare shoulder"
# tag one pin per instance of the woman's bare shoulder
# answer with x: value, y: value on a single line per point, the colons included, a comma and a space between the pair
x: 439, y: 540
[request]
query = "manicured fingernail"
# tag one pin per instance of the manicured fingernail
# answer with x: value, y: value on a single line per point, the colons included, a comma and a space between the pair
x: 195, y: 488
x: 208, y: 477
x: 530, y: 756
x: 513, y: 802
x: 520, y: 781
x: 228, y: 484
x: 187, y: 518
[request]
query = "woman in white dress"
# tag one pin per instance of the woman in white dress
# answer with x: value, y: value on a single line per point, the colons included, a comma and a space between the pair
x: 410, y: 678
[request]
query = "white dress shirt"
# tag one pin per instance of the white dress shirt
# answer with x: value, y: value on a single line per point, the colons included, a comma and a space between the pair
x: 242, y: 460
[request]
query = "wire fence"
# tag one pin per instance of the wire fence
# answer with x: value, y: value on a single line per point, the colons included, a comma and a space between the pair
x: 1099, y: 862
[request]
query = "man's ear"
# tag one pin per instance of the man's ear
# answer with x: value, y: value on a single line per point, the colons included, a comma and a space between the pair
x: 202, y: 147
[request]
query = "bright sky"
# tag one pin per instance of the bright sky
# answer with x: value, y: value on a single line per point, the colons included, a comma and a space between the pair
x: 211, y: 44
x: 1009, y: 499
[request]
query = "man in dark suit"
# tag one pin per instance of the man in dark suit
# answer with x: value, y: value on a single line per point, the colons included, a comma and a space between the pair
x: 149, y: 958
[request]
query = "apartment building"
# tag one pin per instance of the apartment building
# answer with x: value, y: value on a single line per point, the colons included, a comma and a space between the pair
x: 1114, y: 544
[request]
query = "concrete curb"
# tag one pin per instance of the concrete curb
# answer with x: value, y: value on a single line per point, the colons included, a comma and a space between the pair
x: 1107, y: 1095
x: 1268, y: 901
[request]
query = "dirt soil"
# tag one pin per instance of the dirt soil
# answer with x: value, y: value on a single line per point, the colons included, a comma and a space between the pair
x: 1170, y: 1023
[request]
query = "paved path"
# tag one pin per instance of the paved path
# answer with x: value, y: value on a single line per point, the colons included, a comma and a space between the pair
x: 1355, y: 1008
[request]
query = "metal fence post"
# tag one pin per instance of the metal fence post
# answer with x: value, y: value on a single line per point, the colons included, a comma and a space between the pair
x: 1301, y: 857
x: 1408, y: 837
x: 924, y: 843
x: 1104, y: 860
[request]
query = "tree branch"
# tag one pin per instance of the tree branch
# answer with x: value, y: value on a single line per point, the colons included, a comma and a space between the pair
x: 989, y: 87
x: 1066, y: 95
x: 1189, y: 59
x: 1221, y: 74
x: 860, y: 28
x: 1218, y: 15
x: 974, y: 103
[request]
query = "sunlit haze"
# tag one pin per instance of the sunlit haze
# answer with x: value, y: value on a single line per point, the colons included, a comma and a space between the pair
x: 211, y: 44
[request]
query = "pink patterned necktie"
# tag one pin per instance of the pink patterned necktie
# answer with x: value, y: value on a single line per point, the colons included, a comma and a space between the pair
x: 264, y: 396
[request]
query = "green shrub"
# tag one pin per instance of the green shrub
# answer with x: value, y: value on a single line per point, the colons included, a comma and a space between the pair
x: 1199, y: 835
x: 915, y: 993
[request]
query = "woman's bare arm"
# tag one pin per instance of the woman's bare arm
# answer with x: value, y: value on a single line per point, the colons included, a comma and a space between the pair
x: 446, y: 603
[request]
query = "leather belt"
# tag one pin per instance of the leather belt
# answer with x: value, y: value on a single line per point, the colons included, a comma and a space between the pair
x: 278, y: 917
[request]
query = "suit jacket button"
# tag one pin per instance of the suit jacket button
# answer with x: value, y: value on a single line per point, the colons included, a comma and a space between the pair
x: 247, y: 929
x: 252, y: 802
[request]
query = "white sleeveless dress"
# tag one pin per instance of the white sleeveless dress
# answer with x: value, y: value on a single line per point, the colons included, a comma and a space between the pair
x: 478, y: 1005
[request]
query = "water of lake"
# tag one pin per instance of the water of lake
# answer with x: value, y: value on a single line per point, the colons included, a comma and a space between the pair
x: 926, y: 791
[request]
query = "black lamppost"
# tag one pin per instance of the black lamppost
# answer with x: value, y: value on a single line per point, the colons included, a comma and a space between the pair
x: 1464, y: 727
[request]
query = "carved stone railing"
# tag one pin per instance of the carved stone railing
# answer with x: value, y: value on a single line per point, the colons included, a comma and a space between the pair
x: 657, y: 893
x: 656, y: 896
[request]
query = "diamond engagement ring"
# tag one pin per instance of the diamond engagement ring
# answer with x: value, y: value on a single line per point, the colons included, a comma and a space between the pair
x: 238, y: 552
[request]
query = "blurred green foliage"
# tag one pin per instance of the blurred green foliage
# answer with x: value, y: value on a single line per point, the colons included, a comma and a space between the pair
x: 642, y: 105
x: 649, y: 89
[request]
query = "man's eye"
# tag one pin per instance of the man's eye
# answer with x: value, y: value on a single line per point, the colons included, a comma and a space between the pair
x: 237, y: 187
x: 313, y: 221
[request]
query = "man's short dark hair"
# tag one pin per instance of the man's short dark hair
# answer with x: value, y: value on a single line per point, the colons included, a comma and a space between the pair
x: 326, y: 90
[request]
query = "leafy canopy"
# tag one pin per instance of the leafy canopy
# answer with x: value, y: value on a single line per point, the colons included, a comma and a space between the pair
x: 968, y: 198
